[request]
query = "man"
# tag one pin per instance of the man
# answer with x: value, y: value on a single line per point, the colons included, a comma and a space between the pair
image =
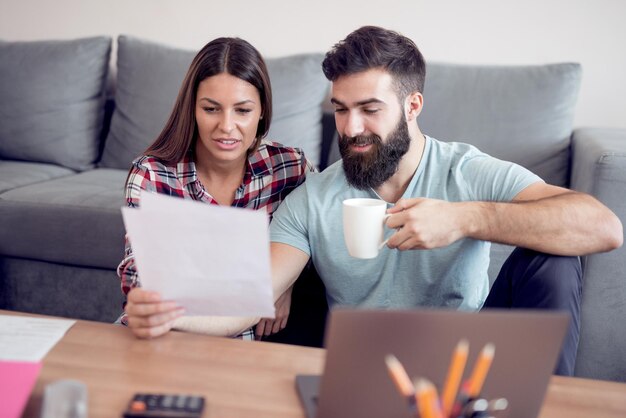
x: 447, y: 202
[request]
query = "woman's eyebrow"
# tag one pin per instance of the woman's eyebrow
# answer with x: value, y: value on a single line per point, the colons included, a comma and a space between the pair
x: 215, y: 102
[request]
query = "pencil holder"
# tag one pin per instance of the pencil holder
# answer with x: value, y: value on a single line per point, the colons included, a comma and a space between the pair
x: 482, y: 408
x: 422, y: 398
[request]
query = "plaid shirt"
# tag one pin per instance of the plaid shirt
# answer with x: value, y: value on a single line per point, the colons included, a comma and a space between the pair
x: 272, y: 172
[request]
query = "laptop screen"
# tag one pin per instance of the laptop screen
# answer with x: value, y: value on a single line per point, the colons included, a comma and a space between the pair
x: 356, y: 381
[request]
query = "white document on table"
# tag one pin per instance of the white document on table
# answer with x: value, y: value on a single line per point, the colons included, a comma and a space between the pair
x: 24, y: 338
x: 210, y: 259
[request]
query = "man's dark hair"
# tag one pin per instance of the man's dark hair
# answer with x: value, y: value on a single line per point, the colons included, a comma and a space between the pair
x: 374, y: 47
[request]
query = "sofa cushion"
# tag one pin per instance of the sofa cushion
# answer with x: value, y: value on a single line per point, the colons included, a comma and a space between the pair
x: 70, y: 220
x: 59, y: 290
x: 299, y: 89
x: 17, y: 173
x: 51, y: 100
x: 517, y: 113
x: 149, y: 76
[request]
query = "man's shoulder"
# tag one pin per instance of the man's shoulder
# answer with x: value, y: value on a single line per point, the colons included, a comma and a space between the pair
x: 454, y: 148
x: 446, y: 154
x: 332, y: 177
x: 320, y: 187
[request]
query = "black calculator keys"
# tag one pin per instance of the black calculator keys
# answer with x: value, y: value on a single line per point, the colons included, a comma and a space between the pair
x: 146, y: 405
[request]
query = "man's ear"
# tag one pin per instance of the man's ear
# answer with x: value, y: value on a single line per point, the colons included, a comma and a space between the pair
x: 413, y: 106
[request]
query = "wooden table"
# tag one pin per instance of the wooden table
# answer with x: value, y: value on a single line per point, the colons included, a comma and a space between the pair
x: 237, y: 378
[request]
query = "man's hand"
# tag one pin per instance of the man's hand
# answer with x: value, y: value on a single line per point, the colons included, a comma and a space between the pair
x: 267, y: 326
x: 424, y: 224
x: 148, y: 315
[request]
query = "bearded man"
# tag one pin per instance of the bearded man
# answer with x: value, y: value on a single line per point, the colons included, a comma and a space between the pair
x: 447, y: 201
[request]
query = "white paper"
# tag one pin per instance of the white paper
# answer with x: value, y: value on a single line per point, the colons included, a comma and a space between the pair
x: 24, y: 338
x: 212, y: 260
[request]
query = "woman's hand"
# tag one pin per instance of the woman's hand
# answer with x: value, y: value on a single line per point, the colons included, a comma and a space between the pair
x: 148, y: 315
x: 267, y: 326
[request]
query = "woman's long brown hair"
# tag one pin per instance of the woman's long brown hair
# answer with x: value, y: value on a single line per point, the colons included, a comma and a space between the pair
x: 233, y: 56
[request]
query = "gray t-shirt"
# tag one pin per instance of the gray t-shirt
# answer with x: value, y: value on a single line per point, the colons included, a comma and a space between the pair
x: 455, y: 276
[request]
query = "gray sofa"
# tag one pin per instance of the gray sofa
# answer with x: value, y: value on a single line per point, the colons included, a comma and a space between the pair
x: 65, y: 149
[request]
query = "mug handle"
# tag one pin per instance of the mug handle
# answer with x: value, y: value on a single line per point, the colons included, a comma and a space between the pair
x: 384, y: 243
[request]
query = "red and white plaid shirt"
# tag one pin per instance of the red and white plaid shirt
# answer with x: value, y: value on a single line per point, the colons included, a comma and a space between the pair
x: 272, y: 172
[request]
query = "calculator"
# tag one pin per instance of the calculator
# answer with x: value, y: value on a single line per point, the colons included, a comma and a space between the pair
x: 148, y: 405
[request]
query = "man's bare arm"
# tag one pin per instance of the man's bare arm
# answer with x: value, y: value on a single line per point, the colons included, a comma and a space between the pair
x: 553, y: 220
x: 287, y: 264
x: 542, y: 217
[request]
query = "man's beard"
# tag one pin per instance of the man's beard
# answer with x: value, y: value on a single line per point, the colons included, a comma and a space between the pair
x: 372, y: 168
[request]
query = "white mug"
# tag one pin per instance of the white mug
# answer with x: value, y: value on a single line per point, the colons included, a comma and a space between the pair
x: 364, y: 226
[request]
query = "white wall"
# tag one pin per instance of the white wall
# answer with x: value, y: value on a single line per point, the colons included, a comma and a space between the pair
x: 591, y: 32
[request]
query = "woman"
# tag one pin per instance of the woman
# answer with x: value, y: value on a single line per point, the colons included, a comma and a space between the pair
x: 211, y: 150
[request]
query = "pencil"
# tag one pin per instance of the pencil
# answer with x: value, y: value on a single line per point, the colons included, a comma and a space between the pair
x: 455, y: 373
x: 399, y: 376
x: 427, y: 400
x: 481, y: 368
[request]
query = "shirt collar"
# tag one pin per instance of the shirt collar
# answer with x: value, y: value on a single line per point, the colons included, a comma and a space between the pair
x: 257, y: 165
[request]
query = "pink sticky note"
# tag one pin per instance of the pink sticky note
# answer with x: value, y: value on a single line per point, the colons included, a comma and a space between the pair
x: 16, y: 382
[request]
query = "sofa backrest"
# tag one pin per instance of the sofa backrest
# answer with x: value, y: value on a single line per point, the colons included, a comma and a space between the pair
x: 522, y: 114
x: 51, y: 100
x: 149, y: 76
x: 52, y: 104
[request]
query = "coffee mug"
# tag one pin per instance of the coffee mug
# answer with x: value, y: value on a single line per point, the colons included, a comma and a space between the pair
x: 364, y: 226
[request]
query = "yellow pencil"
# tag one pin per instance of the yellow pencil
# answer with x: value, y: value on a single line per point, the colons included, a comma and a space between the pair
x: 399, y: 376
x: 427, y: 400
x: 481, y: 368
x: 455, y: 373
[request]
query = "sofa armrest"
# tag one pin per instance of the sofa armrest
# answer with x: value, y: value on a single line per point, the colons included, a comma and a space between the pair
x: 599, y: 168
x: 599, y: 161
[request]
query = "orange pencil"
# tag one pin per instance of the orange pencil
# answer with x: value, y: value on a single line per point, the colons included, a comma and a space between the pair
x: 427, y: 400
x: 455, y: 373
x: 399, y: 376
x: 481, y: 368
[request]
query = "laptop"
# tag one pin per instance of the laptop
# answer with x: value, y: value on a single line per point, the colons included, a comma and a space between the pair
x: 356, y: 383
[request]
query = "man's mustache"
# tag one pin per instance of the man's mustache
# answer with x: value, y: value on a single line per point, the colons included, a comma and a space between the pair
x: 361, y: 140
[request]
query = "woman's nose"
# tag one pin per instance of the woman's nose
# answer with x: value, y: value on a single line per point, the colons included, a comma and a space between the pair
x: 226, y: 122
